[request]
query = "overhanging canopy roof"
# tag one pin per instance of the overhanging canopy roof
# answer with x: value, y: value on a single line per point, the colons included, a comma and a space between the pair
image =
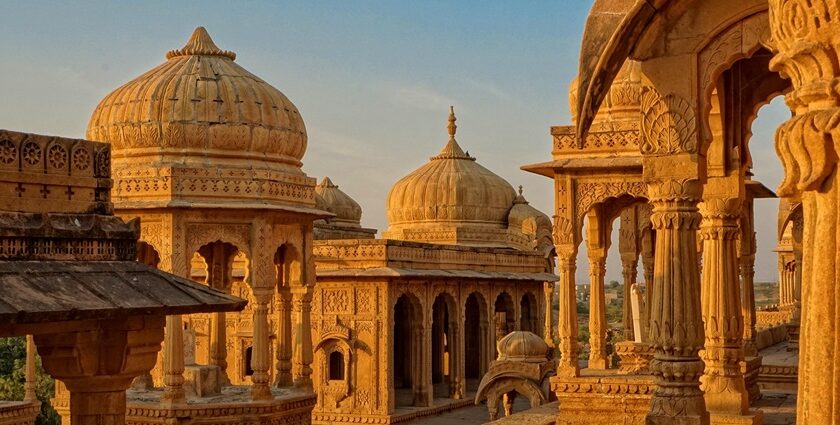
x: 51, y: 291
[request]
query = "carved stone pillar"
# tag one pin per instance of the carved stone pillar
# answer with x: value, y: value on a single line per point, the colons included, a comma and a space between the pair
x: 97, y: 366
x: 598, y: 358
x: 456, y: 359
x: 567, y: 323
x: 723, y: 381
x: 628, y: 248
x: 218, y: 345
x: 629, y: 267
x: 647, y: 247
x: 426, y: 387
x: 29, y: 393
x: 747, y: 264
x: 260, y: 353
x: 804, y: 40
x: 548, y: 334
x: 676, y: 326
x: 284, y: 339
x: 302, y: 358
x: 173, y: 361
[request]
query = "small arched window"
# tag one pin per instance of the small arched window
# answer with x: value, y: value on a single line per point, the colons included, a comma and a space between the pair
x: 336, y: 372
x: 247, y: 359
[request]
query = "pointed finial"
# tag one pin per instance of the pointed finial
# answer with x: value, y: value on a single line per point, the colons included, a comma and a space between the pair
x: 520, y: 190
x: 200, y: 44
x: 452, y: 127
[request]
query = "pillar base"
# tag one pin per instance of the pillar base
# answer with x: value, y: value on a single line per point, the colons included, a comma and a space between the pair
x: 750, y: 368
x: 599, y: 363
x: 261, y: 393
x: 677, y: 411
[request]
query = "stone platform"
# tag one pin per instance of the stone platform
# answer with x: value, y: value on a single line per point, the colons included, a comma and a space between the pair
x: 233, y: 406
x: 290, y: 406
x: 599, y: 397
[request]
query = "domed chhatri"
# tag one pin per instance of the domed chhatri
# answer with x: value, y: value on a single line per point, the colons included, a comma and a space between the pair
x: 330, y: 198
x: 522, y: 346
x: 451, y: 199
x: 213, y: 131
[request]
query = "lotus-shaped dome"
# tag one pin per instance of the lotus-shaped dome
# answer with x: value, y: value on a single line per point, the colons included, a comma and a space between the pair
x: 200, y: 106
x: 522, y: 346
x: 452, y: 189
x: 330, y: 198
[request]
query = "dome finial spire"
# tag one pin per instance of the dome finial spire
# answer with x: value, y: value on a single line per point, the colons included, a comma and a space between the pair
x: 200, y: 44
x: 452, y: 127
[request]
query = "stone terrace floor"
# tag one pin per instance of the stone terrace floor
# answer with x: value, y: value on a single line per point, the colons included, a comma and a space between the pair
x: 778, y: 355
x: 779, y: 409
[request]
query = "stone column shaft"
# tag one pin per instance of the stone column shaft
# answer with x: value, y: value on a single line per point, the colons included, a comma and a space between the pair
x: 567, y: 324
x: 29, y: 393
x: 284, y: 340
x: 261, y: 350
x: 748, y: 304
x: 173, y: 361
x: 598, y: 358
x: 548, y: 334
x: 629, y: 269
x: 302, y: 358
x: 723, y: 381
x: 676, y: 326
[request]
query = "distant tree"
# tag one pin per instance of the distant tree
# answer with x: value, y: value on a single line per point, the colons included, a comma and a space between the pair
x: 13, y: 376
x: 614, y: 284
x: 583, y: 308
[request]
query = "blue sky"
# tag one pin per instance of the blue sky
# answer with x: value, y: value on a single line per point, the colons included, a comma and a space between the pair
x: 373, y: 80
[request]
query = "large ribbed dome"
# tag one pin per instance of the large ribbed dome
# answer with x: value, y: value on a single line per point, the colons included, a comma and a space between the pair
x: 452, y: 188
x: 200, y: 106
x: 201, y: 131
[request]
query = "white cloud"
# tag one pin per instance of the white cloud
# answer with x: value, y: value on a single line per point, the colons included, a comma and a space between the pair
x: 420, y: 98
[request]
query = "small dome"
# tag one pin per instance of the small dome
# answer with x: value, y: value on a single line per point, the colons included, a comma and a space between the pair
x: 531, y: 222
x: 453, y: 189
x: 522, y: 346
x: 201, y: 107
x: 330, y: 198
x: 623, y: 99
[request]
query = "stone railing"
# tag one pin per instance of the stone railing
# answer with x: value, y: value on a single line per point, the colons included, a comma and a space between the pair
x: 769, y: 318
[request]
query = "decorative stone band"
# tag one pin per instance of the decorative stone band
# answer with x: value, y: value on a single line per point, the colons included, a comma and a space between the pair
x: 608, y: 137
x: 71, y: 175
x: 166, y: 186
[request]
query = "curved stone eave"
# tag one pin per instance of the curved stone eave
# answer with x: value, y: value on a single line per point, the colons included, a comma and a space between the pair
x: 612, y: 30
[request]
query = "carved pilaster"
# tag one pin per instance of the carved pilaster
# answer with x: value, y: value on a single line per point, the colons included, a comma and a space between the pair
x: 723, y: 381
x: 676, y: 327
